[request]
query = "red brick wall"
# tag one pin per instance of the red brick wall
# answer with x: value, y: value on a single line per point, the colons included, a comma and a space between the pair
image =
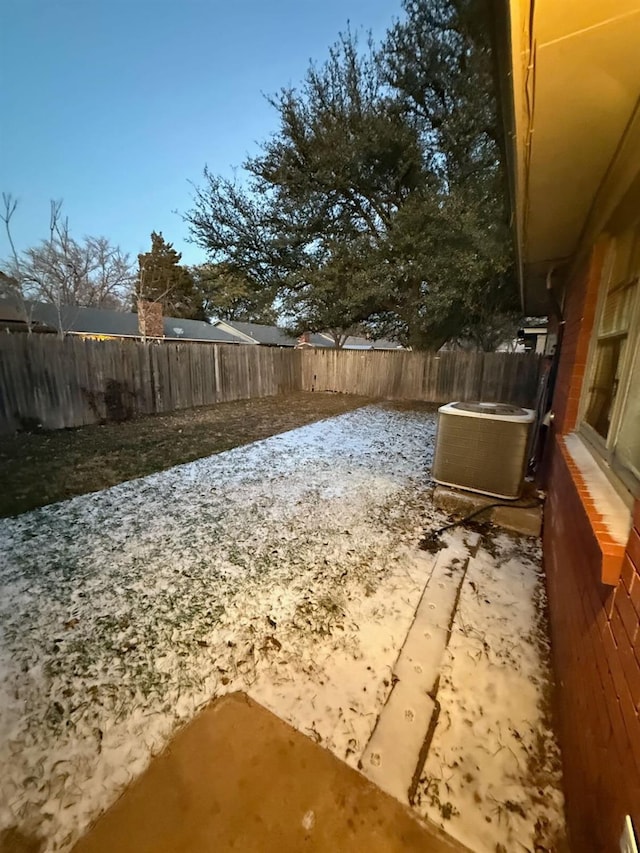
x: 594, y: 628
x: 579, y: 314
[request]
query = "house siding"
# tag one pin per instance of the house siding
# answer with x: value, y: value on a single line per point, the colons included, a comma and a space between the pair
x: 595, y: 628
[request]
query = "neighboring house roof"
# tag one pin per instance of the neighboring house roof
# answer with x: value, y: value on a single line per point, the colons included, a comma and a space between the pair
x: 97, y: 321
x: 272, y: 336
x: 101, y: 321
x: 13, y: 318
x: 315, y: 339
x: 321, y: 339
x: 354, y: 342
x: 256, y: 333
x: 195, y: 330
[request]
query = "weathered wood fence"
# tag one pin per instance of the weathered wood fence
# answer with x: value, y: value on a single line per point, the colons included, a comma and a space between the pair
x: 436, y: 377
x: 72, y: 382
x: 53, y: 383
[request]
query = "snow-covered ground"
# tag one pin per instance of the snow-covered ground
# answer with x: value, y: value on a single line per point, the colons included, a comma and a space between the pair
x: 492, y: 777
x: 280, y: 568
x: 287, y: 568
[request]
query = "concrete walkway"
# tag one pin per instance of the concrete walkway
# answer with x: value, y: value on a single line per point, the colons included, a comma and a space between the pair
x: 399, y: 744
x: 239, y: 779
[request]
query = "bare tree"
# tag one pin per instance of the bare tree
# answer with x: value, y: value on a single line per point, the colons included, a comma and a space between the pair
x: 64, y: 271
x: 12, y: 282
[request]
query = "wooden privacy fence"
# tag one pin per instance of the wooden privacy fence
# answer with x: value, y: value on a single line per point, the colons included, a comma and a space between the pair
x: 53, y: 383
x: 72, y: 382
x: 436, y: 377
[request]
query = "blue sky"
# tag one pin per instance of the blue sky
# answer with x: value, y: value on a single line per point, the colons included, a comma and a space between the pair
x: 114, y: 105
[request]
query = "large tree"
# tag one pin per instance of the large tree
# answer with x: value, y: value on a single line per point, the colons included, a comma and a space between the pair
x: 333, y: 298
x: 161, y: 278
x: 228, y: 294
x: 438, y: 62
x: 320, y: 200
x: 379, y: 200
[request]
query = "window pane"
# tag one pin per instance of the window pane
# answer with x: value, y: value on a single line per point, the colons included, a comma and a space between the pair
x: 602, y: 391
x: 621, y: 279
x: 628, y: 444
x: 616, y: 315
x: 624, y: 253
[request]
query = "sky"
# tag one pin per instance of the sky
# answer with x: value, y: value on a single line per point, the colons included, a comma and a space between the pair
x: 115, y: 106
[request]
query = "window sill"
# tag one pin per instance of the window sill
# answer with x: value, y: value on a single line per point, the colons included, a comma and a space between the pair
x: 608, y: 515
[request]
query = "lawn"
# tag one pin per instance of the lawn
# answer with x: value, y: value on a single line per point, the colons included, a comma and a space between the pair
x: 289, y: 569
x: 43, y: 467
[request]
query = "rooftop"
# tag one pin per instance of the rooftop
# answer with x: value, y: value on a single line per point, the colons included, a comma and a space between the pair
x: 103, y: 321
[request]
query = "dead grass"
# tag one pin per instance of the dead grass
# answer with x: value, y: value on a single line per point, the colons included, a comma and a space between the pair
x: 41, y: 468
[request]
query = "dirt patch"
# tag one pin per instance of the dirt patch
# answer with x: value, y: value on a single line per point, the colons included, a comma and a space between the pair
x: 42, y: 468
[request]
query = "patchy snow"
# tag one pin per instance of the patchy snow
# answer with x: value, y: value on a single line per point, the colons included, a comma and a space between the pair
x: 492, y: 777
x: 283, y: 568
x: 288, y: 569
x: 391, y: 756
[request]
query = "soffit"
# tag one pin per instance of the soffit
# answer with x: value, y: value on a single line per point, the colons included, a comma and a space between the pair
x: 584, y: 89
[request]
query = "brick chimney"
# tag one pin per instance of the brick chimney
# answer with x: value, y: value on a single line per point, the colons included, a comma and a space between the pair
x: 150, y: 323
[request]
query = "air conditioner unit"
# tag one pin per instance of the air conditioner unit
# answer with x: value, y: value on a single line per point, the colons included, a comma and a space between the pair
x: 482, y: 447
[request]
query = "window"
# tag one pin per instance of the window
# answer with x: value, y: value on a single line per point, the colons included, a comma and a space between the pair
x: 611, y: 396
x: 627, y: 446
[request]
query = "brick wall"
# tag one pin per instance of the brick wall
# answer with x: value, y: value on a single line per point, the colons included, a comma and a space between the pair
x: 150, y: 323
x: 596, y: 647
x: 595, y: 628
x: 579, y: 315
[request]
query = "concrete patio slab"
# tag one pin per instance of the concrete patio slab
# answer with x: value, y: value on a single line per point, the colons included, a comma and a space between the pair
x: 391, y: 757
x: 522, y: 516
x: 239, y: 779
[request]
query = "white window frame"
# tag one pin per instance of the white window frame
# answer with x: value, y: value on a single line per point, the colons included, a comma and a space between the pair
x: 624, y: 481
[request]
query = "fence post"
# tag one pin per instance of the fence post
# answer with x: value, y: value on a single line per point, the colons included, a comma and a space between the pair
x: 216, y: 372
